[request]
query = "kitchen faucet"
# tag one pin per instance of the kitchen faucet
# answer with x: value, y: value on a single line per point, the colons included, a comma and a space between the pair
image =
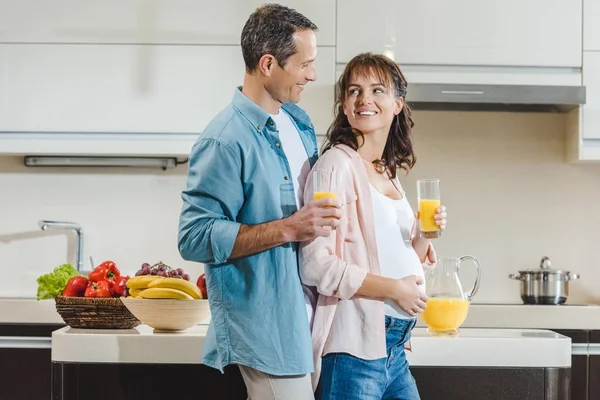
x: 44, y: 225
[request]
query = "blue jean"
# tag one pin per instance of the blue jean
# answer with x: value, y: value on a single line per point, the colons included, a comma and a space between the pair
x: 345, y: 377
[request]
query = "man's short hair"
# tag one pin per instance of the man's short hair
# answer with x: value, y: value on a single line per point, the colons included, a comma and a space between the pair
x: 269, y: 30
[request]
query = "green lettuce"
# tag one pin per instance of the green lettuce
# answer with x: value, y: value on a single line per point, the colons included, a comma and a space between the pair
x: 52, y: 284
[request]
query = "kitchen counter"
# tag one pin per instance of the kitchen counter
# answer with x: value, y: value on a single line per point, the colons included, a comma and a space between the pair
x: 32, y: 311
x: 537, y: 363
x: 523, y: 316
x: 28, y: 311
x: 472, y: 347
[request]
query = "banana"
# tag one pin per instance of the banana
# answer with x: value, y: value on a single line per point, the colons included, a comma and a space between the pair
x: 179, y: 284
x: 164, y: 293
x: 141, y: 281
x: 135, y: 292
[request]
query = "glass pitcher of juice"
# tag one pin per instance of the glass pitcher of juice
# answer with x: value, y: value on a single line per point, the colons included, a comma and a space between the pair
x: 448, y: 303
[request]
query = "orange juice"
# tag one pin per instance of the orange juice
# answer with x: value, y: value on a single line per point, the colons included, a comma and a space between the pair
x: 323, y: 195
x: 445, y: 314
x: 427, y: 210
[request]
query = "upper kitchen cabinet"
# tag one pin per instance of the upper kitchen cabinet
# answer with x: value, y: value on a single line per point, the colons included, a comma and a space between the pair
x: 591, y: 109
x: 128, y: 96
x: 521, y: 33
x: 591, y: 25
x: 583, y: 124
x: 121, y: 89
x: 144, y: 21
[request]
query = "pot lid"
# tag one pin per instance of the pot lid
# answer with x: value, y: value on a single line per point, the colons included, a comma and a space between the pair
x: 545, y: 268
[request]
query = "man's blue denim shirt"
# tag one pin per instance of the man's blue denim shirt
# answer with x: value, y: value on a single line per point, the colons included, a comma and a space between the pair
x: 239, y: 174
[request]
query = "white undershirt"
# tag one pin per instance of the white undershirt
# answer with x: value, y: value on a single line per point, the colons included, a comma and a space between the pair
x: 297, y: 157
x: 294, y: 151
x: 397, y: 257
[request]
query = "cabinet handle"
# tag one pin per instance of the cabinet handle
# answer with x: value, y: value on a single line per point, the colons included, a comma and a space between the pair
x: 25, y: 342
x: 594, y: 349
x: 469, y: 92
x: 579, y: 349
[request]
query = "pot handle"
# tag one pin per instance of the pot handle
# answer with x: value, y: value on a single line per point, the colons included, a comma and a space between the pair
x: 515, y: 277
x: 572, y: 277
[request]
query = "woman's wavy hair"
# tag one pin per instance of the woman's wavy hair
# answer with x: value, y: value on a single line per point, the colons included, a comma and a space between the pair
x: 398, y: 152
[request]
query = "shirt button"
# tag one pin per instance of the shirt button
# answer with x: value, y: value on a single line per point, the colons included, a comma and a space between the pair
x: 278, y: 144
x: 271, y: 122
x: 259, y: 127
x: 287, y: 178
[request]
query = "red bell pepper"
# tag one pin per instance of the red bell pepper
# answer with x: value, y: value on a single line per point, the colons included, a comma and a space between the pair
x: 201, y: 283
x: 118, y: 289
x: 107, y: 271
x: 76, y: 286
x: 98, y: 289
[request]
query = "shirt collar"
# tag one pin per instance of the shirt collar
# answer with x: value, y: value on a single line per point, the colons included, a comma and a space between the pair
x: 252, y: 111
x: 258, y: 117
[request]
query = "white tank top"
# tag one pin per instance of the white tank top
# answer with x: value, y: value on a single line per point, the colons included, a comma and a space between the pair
x: 397, y: 257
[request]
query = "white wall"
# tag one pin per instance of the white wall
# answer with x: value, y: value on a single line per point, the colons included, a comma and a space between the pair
x: 511, y: 199
x: 128, y: 217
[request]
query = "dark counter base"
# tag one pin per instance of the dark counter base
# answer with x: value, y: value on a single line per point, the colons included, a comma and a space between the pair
x: 462, y: 383
x: 193, y: 382
x: 25, y: 372
x: 145, y: 382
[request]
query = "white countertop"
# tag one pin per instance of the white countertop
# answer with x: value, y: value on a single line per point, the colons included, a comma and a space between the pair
x: 472, y: 347
x: 518, y: 316
x: 29, y: 311
x: 521, y: 316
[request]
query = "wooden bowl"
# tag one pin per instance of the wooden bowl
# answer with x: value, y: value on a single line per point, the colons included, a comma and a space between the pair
x: 168, y: 315
x: 95, y: 313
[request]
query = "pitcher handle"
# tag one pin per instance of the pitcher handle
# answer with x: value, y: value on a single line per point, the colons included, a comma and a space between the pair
x: 475, y: 287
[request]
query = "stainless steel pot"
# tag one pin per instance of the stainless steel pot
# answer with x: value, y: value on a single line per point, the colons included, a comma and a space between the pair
x: 544, y: 285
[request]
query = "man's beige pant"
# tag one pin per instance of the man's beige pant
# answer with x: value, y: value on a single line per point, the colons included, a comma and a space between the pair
x: 262, y: 386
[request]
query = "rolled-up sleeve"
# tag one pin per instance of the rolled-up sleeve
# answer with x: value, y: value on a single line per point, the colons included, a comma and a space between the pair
x: 211, y: 202
x: 321, y: 264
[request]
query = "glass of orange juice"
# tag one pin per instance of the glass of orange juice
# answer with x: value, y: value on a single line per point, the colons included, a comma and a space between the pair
x: 324, y: 184
x: 429, y: 202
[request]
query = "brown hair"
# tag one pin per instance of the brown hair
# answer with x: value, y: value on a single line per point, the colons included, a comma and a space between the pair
x: 270, y: 30
x: 398, y: 151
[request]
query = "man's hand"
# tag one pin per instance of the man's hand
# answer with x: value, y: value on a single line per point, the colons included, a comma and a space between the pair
x: 316, y: 218
x: 408, y: 296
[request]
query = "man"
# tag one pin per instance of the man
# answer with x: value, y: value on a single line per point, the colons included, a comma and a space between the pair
x: 242, y: 216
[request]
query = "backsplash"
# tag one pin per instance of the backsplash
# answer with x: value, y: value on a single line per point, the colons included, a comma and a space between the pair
x: 511, y: 199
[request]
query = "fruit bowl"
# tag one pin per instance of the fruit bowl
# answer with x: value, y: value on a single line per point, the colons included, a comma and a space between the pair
x: 95, y: 313
x: 168, y: 315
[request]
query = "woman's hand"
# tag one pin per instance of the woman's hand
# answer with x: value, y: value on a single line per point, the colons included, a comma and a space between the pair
x: 421, y: 244
x: 407, y: 295
x: 440, y: 220
x: 440, y: 217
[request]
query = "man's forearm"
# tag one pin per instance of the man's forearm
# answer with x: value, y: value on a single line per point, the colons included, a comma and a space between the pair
x: 253, y: 239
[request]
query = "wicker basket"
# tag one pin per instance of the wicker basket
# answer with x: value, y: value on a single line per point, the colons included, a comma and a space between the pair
x: 95, y: 313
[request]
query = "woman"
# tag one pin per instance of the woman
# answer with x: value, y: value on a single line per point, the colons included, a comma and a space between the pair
x: 369, y: 272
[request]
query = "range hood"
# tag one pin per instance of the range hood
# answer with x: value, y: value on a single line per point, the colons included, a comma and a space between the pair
x: 514, y: 98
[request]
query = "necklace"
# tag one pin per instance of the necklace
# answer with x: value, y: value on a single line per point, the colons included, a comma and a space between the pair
x: 379, y: 165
